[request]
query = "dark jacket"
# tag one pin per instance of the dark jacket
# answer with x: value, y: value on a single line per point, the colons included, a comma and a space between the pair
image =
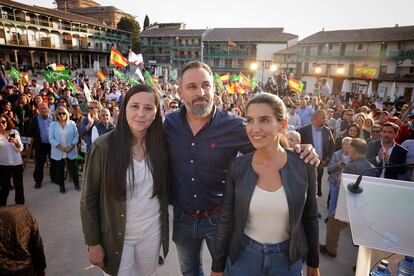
x: 103, y: 217
x: 34, y: 131
x: 299, y: 182
x: 398, y: 156
x: 328, y: 143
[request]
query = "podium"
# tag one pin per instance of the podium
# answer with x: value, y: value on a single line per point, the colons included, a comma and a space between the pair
x: 381, y: 217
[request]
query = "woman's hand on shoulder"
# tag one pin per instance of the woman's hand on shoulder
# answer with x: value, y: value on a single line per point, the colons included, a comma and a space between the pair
x: 313, y: 271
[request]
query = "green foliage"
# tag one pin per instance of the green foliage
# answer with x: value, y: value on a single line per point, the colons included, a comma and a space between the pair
x: 129, y: 24
x: 146, y: 22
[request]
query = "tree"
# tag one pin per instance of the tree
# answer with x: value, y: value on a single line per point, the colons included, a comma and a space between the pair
x: 146, y: 22
x: 129, y: 24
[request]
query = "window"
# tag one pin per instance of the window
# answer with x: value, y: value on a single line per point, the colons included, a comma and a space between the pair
x: 227, y: 62
x: 360, y: 46
x: 351, y: 69
x: 217, y: 62
x: 267, y: 64
x: 197, y: 54
x: 242, y: 46
x: 189, y: 54
x: 320, y: 46
x: 307, y: 51
x: 383, y: 69
x: 330, y: 46
x: 240, y: 63
x: 401, y: 46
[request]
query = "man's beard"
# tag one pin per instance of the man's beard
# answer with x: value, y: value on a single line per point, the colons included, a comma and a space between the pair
x: 199, y: 110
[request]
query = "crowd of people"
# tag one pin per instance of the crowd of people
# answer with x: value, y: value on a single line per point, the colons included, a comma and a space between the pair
x: 195, y: 131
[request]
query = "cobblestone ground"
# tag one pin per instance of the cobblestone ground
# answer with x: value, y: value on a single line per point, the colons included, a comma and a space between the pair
x: 58, y: 217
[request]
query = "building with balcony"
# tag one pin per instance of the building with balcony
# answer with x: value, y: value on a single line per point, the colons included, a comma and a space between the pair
x: 335, y: 54
x: 167, y: 47
x: 32, y: 36
x: 235, y: 49
x: 286, y: 60
x: 109, y: 15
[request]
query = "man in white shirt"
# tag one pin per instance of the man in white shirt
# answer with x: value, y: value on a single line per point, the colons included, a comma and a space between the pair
x: 294, y: 118
x: 114, y: 95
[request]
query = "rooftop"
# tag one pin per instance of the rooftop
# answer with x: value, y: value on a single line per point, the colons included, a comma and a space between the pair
x: 361, y: 35
x: 249, y: 34
x: 292, y: 50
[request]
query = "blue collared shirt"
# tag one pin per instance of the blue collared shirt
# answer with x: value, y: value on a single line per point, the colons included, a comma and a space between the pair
x: 44, y: 128
x: 305, y: 115
x: 199, y: 163
x: 317, y: 141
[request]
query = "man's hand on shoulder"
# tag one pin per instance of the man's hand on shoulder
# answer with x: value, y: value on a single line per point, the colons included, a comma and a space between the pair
x: 308, y: 153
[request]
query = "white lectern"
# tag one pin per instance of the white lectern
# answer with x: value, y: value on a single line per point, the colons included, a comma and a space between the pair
x: 381, y: 217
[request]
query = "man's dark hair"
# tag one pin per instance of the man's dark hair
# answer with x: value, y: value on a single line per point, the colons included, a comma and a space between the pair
x: 192, y: 65
x: 359, y: 145
x: 389, y: 124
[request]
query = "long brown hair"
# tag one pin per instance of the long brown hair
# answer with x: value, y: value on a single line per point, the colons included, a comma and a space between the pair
x: 120, y: 156
x: 278, y: 107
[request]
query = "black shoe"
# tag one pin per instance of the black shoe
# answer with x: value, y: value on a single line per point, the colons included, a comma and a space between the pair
x: 323, y: 250
x: 160, y: 260
x: 38, y: 185
x: 77, y: 188
x: 62, y: 189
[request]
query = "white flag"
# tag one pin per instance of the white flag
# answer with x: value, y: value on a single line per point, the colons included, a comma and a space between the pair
x: 134, y: 58
x: 53, y: 66
x: 87, y: 92
x: 139, y: 73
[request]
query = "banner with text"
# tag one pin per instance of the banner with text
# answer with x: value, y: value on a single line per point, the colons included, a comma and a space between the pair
x: 364, y: 71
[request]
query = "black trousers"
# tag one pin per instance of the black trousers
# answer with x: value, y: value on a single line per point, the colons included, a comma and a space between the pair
x: 6, y: 173
x: 320, y: 174
x: 60, y: 171
x: 41, y: 153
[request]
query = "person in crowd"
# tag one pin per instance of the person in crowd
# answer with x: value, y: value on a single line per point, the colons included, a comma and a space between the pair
x: 331, y: 122
x: 293, y: 138
x: 359, y: 164
x: 89, y: 121
x: 51, y: 101
x: 39, y: 130
x: 103, y: 126
x: 67, y: 95
x: 264, y: 236
x: 11, y: 163
x: 375, y: 133
x: 64, y: 138
x: 21, y: 246
x: 409, y: 145
x: 352, y: 131
x: 305, y: 113
x: 124, y: 211
x: 23, y: 113
x: 212, y: 137
x: 345, y: 121
x: 294, y: 119
x: 77, y: 116
x: 320, y: 136
x: 359, y: 120
x: 369, y: 123
x: 386, y: 152
x: 336, y: 164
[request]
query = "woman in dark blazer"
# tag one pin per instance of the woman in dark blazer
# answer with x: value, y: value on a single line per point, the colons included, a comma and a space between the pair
x: 269, y: 218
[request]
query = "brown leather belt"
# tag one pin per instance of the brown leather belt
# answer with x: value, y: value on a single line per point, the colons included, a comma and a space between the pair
x: 203, y: 214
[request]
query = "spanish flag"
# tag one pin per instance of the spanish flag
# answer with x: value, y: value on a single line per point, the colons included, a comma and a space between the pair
x: 25, y: 79
x: 245, y: 82
x: 101, y: 75
x: 59, y: 67
x: 295, y: 85
x: 118, y: 59
x: 225, y: 78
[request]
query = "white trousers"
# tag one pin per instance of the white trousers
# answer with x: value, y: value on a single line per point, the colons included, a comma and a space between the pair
x: 140, y: 257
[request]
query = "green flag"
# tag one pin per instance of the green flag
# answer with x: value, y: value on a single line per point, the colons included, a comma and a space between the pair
x: 219, y: 84
x: 253, y: 82
x: 53, y: 76
x: 15, y: 74
x: 234, y: 78
x: 72, y: 87
x: 119, y: 74
x: 132, y: 81
x: 148, y: 78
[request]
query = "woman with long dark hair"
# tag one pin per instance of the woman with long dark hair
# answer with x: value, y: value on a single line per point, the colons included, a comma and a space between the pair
x: 269, y: 218
x: 124, y: 203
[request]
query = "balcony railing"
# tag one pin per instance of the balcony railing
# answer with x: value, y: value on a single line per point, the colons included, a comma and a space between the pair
x: 338, y: 54
x: 401, y: 54
x: 229, y: 53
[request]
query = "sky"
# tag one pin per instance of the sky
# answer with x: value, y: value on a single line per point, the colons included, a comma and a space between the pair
x: 300, y: 17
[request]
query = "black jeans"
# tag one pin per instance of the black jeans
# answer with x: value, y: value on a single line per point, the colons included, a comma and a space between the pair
x: 41, y: 153
x: 6, y: 173
x: 60, y: 171
x: 320, y: 174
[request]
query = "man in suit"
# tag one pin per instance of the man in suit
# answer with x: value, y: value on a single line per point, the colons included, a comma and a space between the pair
x: 320, y: 136
x: 39, y: 130
x: 386, y: 152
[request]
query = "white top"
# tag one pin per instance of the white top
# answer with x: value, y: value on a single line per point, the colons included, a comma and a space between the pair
x: 95, y: 134
x: 268, y: 217
x: 142, y: 211
x: 63, y: 136
x: 9, y: 154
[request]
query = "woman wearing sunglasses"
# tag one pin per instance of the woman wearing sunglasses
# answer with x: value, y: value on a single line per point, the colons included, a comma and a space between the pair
x: 11, y: 163
x: 64, y: 138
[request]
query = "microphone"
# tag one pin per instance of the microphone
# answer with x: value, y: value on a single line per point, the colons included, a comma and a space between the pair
x: 355, y: 188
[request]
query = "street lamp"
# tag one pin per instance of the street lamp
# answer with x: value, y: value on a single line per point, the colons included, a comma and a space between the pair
x: 318, y: 70
x: 254, y: 66
x: 340, y: 70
